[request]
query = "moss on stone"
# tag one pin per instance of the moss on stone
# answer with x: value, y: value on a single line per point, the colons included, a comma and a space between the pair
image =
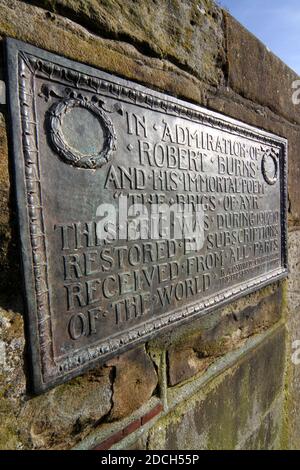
x: 9, y: 426
x: 229, y: 412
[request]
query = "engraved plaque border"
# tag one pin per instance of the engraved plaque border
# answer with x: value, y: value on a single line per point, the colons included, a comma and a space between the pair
x: 25, y: 62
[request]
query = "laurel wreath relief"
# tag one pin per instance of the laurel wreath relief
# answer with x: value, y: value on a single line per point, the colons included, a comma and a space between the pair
x: 66, y: 152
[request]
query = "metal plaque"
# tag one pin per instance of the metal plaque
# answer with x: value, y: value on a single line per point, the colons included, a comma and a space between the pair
x: 137, y: 211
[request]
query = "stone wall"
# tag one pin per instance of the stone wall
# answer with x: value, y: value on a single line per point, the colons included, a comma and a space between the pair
x: 225, y: 381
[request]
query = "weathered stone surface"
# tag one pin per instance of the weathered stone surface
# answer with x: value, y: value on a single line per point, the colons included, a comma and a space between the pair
x: 12, y: 379
x: 56, y: 419
x: 64, y: 37
x: 257, y: 74
x: 293, y: 136
x: 227, y: 331
x: 268, y: 433
x: 294, y: 277
x: 293, y: 325
x: 188, y: 33
x: 234, y: 409
x: 134, y: 382
x: 66, y: 414
x: 59, y: 418
x: 139, y: 444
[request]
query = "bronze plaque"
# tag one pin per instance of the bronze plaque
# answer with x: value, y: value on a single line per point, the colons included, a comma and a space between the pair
x: 137, y: 211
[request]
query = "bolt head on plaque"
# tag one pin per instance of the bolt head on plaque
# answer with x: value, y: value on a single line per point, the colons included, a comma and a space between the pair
x: 81, y: 133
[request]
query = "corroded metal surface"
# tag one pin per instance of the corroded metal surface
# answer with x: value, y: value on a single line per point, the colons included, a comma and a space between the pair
x: 105, y: 171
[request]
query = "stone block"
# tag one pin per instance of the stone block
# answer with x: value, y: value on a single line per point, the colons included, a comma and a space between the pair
x: 195, y: 353
x: 255, y: 73
x: 63, y: 36
x: 67, y: 413
x: 234, y: 408
x: 187, y: 33
x: 134, y: 382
